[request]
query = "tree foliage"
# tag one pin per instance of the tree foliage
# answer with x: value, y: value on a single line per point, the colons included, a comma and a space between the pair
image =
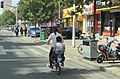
x: 7, y: 18
x: 43, y: 10
x: 36, y: 9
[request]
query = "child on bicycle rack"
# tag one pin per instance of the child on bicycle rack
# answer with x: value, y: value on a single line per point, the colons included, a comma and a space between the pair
x: 60, y: 49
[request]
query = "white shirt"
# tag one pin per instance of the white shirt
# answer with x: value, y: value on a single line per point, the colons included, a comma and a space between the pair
x: 52, y: 38
x: 59, y: 47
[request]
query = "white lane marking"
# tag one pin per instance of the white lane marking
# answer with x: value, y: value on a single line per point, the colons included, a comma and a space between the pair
x: 31, y: 59
x: 33, y: 51
x: 21, y: 54
x: 2, y: 51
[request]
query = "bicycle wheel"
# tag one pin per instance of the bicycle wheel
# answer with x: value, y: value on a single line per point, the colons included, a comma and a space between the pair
x: 58, y: 69
x: 80, y: 48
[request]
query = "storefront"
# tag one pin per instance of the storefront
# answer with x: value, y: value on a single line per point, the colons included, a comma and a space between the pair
x: 110, y: 17
x: 88, y: 12
x: 68, y: 20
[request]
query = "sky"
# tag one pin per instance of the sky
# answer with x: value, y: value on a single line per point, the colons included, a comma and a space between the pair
x: 14, y: 2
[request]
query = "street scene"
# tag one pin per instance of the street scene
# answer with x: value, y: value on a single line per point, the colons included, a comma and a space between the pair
x: 25, y: 58
x: 59, y: 39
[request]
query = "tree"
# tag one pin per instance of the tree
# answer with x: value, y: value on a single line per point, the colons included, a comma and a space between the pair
x: 36, y: 9
x: 7, y: 18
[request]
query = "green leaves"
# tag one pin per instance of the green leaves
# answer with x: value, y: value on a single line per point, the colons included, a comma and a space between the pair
x: 36, y: 9
x: 43, y: 10
x: 7, y: 18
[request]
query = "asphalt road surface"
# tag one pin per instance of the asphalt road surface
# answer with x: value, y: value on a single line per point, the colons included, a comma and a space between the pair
x: 21, y: 59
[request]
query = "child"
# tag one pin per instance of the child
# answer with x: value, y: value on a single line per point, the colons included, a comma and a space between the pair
x: 60, y: 48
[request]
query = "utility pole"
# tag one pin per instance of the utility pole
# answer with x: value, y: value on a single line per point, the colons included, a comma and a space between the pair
x: 16, y: 14
x: 73, y: 30
x: 59, y: 13
x: 94, y: 19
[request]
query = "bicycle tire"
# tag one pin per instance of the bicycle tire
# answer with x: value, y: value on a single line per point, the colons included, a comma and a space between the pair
x: 80, y: 48
x: 58, y: 69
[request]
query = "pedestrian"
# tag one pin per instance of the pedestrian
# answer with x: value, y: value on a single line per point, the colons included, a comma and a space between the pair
x: 59, y: 49
x: 17, y: 30
x: 52, y: 39
x: 21, y: 30
x: 25, y: 31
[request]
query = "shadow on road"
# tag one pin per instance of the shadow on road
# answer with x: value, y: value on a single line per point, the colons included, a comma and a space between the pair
x: 66, y: 74
x: 10, y: 45
x: 35, y: 68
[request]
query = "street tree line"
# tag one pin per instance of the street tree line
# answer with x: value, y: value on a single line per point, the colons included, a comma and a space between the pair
x: 44, y: 10
x: 7, y: 18
x: 37, y: 10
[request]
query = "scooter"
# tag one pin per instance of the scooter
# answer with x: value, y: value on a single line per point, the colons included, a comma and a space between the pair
x: 107, y: 54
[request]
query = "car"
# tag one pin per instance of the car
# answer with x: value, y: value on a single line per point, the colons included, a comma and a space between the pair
x: 49, y: 29
x: 33, y: 32
x: 67, y: 32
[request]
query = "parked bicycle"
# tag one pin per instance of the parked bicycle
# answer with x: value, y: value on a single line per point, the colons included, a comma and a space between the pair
x: 80, y: 46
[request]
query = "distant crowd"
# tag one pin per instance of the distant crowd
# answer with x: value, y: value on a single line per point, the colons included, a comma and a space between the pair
x: 23, y: 31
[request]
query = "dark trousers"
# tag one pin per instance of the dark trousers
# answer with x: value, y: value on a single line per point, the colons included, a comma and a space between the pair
x: 52, y: 54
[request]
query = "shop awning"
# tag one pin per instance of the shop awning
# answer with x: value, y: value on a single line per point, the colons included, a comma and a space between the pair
x: 108, y: 8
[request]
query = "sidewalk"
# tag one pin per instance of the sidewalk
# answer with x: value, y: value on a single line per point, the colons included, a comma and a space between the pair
x: 109, y: 67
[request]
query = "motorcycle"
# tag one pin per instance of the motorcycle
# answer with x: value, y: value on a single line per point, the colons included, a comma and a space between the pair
x: 107, y: 54
x: 57, y: 62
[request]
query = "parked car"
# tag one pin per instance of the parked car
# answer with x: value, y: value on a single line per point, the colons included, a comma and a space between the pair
x: 33, y: 31
x: 49, y: 29
x: 67, y: 32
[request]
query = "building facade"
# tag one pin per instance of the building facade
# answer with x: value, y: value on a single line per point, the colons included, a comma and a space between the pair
x: 110, y: 17
x: 68, y: 19
x: 6, y: 4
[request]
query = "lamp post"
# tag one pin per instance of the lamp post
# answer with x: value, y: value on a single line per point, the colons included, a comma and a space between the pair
x: 94, y: 19
x: 59, y: 13
x: 16, y: 14
x: 73, y: 30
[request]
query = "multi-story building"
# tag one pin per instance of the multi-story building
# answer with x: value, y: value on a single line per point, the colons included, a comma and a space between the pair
x: 6, y: 4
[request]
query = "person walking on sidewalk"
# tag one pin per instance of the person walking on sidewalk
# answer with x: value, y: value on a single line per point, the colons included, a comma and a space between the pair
x: 21, y: 31
x: 25, y: 31
x: 52, y: 39
x: 17, y: 30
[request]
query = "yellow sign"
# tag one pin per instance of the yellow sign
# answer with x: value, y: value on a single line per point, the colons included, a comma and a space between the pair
x: 67, y: 12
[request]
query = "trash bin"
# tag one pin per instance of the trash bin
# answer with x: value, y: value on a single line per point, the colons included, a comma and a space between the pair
x: 90, y: 49
x: 42, y: 36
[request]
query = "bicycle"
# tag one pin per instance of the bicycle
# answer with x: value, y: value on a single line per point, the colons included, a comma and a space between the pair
x: 80, y: 48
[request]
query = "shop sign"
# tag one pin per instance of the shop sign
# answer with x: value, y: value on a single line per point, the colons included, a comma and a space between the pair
x: 67, y: 12
x: 108, y: 3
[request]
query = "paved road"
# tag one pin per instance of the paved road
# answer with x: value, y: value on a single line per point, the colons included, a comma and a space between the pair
x: 21, y: 59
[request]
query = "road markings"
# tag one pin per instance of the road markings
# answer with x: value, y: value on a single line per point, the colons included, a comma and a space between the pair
x: 30, y: 59
x: 2, y: 51
x: 33, y: 51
